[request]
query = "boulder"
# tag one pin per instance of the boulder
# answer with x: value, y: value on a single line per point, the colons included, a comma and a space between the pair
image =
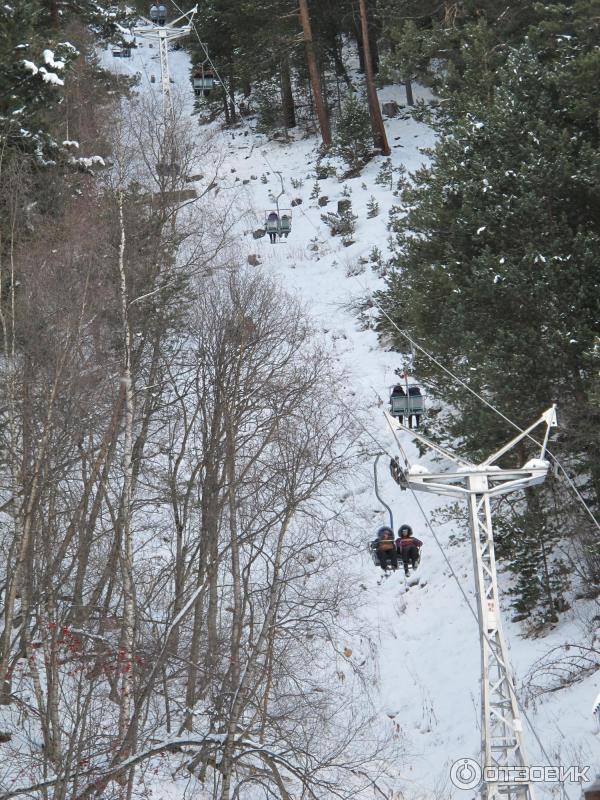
x: 391, y: 109
x: 253, y: 260
x: 344, y: 205
x: 259, y: 233
x: 297, y: 201
x: 323, y: 201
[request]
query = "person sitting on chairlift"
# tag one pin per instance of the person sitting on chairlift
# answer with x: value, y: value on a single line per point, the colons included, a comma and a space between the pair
x: 398, y: 391
x: 414, y: 391
x: 408, y: 547
x: 272, y: 226
x: 385, y: 548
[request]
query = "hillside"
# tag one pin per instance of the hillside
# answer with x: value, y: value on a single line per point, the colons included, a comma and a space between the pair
x: 193, y: 401
x: 420, y: 643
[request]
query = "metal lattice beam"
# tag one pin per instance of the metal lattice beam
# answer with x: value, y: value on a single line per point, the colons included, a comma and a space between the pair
x: 165, y: 35
x: 502, y: 746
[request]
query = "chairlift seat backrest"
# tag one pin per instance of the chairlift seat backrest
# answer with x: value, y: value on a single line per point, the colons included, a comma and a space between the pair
x: 416, y: 401
x: 402, y: 404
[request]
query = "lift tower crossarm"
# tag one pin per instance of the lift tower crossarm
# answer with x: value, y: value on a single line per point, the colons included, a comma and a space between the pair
x: 165, y: 34
x: 502, y: 746
x: 549, y: 417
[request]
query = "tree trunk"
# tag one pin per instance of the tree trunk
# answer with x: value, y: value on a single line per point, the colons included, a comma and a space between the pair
x: 379, y: 135
x: 409, y: 92
x: 226, y: 106
x: 373, y: 45
x: 125, y: 512
x: 232, y: 109
x: 287, y: 96
x: 314, y: 75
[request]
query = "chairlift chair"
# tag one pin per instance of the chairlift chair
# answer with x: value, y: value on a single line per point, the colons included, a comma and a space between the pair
x: 203, y: 80
x: 158, y: 13
x: 278, y: 222
x: 285, y: 224
x: 407, y: 401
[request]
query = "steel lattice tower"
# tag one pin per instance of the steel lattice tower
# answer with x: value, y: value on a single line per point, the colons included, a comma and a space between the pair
x: 502, y: 747
x: 165, y: 35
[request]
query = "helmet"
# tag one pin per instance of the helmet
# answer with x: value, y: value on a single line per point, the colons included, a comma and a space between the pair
x: 383, y: 530
x: 405, y: 530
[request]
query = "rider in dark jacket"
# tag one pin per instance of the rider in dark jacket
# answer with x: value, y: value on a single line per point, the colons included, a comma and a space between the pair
x: 408, y: 547
x: 385, y: 548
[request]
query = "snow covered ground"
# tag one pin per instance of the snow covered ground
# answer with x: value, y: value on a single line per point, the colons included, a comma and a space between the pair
x: 427, y: 646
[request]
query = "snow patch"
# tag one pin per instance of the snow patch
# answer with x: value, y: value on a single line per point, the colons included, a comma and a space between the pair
x: 537, y: 463
x: 50, y: 77
x: 418, y: 469
x: 48, y: 56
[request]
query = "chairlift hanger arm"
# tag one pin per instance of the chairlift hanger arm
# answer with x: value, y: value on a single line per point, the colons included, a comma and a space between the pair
x: 377, y: 495
x: 282, y: 192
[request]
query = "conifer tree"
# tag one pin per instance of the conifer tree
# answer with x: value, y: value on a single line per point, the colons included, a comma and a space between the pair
x: 495, y: 268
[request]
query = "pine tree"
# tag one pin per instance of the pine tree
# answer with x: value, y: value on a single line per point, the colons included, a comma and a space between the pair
x: 372, y: 207
x: 352, y: 139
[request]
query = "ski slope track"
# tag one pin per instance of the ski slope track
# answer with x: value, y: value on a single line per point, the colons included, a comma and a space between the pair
x: 423, y: 642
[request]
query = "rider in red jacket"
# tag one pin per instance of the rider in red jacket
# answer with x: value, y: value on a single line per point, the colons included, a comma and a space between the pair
x: 408, y: 547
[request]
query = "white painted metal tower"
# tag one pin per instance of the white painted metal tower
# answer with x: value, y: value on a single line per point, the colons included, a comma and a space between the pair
x: 502, y: 748
x: 165, y: 34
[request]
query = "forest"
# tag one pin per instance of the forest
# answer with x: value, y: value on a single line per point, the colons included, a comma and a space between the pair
x: 173, y: 445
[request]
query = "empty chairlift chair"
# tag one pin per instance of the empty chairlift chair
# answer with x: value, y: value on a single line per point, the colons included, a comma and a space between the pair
x: 154, y: 13
x: 203, y: 80
x: 162, y: 14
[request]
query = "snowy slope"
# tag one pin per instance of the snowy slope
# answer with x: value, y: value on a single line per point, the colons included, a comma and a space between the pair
x: 426, y: 640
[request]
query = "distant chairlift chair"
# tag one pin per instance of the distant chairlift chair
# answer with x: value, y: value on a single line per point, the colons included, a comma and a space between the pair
x: 158, y: 14
x: 203, y: 80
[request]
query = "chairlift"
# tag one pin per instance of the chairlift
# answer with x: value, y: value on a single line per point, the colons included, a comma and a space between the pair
x: 158, y: 14
x: 278, y: 222
x: 203, y: 79
x: 121, y: 52
x: 407, y: 401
